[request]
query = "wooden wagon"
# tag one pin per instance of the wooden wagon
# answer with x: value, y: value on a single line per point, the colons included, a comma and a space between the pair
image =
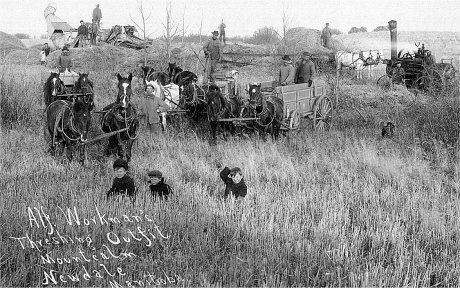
x: 300, y: 101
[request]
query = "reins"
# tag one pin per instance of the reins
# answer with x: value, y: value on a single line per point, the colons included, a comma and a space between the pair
x: 60, y: 118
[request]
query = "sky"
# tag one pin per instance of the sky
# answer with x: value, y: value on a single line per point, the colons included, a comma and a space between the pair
x: 242, y: 17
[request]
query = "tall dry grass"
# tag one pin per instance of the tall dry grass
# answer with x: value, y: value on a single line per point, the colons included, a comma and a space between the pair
x: 346, y: 208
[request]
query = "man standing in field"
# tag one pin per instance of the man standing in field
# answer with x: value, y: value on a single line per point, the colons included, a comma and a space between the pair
x: 150, y: 105
x: 222, y: 32
x: 286, y: 73
x: 305, y: 70
x: 212, y: 52
x: 82, y: 33
x: 97, y: 16
x: 326, y: 35
x: 397, y: 75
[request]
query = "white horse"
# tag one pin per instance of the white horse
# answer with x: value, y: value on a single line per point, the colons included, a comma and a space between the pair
x: 358, y: 61
x: 168, y: 93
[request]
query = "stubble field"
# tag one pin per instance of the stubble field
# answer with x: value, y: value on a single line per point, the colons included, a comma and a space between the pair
x: 347, y: 208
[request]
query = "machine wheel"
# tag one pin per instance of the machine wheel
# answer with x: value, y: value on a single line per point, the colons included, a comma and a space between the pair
x: 322, y: 115
x: 384, y: 82
x: 294, y: 119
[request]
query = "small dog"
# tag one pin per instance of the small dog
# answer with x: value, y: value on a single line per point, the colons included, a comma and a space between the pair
x: 388, y: 130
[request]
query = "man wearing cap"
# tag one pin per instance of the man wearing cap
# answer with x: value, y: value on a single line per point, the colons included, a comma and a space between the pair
x: 212, y: 53
x: 97, y: 16
x: 81, y: 35
x: 305, y: 70
x: 326, y: 35
x: 157, y: 186
x: 150, y: 105
x: 287, y: 72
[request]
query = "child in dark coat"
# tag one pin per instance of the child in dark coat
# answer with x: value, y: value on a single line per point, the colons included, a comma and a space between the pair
x: 122, y: 183
x: 157, y: 186
x: 234, y: 182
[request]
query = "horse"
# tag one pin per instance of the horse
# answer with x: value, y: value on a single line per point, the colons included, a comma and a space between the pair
x: 269, y: 111
x: 53, y: 87
x: 68, y: 123
x: 359, y: 61
x: 121, y: 115
x: 149, y: 74
x: 180, y: 77
x: 85, y: 86
x: 218, y: 107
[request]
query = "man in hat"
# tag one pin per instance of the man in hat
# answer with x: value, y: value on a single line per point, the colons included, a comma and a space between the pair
x: 212, y: 52
x: 397, y: 75
x: 287, y: 72
x: 82, y: 33
x: 326, y: 35
x: 305, y: 70
x: 64, y: 60
x: 150, y: 105
x: 97, y: 16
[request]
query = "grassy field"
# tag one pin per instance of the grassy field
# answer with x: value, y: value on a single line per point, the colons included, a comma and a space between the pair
x: 347, y: 208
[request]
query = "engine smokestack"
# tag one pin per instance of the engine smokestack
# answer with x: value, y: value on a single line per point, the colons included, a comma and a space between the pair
x: 394, y: 38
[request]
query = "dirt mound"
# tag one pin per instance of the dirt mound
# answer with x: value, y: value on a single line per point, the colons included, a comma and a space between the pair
x: 9, y: 43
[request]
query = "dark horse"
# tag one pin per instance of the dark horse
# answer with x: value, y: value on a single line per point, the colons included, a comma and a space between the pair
x: 268, y: 110
x: 180, y: 77
x: 121, y: 115
x: 84, y: 87
x: 218, y: 107
x: 149, y: 74
x: 68, y: 123
x: 52, y: 88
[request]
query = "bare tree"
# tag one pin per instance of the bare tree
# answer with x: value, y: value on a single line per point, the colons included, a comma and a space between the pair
x: 198, y: 59
x: 143, y: 27
x: 171, y: 29
x: 287, y: 21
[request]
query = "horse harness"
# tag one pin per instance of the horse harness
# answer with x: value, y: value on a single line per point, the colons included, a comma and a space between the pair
x: 60, y: 118
x: 263, y: 112
x: 127, y: 120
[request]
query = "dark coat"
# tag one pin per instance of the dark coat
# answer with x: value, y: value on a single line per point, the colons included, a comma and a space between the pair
x: 238, y: 190
x: 305, y: 71
x: 82, y: 30
x: 122, y: 186
x: 160, y: 189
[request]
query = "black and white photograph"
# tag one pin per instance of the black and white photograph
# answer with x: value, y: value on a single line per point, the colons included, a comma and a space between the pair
x: 236, y: 143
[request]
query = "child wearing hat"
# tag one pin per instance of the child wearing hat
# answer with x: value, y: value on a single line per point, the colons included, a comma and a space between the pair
x: 234, y: 182
x: 122, y: 183
x: 157, y: 186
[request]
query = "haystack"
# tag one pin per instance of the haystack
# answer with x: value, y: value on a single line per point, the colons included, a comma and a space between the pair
x: 9, y: 43
x: 303, y: 39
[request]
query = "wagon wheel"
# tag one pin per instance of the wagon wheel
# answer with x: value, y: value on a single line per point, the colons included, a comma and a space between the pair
x: 322, y: 116
x: 384, y: 82
x: 294, y: 119
x: 430, y: 82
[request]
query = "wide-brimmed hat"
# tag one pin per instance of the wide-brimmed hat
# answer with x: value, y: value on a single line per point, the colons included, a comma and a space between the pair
x: 286, y: 58
x: 215, y: 32
x: 120, y: 163
x: 65, y: 48
x: 155, y: 173
x: 306, y: 54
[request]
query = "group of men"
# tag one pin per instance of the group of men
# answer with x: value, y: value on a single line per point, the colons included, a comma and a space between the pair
x: 82, y: 31
x: 303, y: 72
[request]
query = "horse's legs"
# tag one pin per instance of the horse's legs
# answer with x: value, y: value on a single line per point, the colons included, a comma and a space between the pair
x: 121, y: 152
x: 213, y: 125
x: 111, y: 145
x: 83, y: 155
x: 129, y: 146
x: 69, y: 149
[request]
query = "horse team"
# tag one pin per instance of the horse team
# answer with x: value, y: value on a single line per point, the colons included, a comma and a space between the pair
x: 68, y: 111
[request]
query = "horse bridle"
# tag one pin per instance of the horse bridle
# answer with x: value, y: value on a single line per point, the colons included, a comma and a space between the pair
x: 253, y: 105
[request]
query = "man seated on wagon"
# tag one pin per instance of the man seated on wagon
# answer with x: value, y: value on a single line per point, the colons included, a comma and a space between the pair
x: 64, y: 64
x: 286, y: 73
